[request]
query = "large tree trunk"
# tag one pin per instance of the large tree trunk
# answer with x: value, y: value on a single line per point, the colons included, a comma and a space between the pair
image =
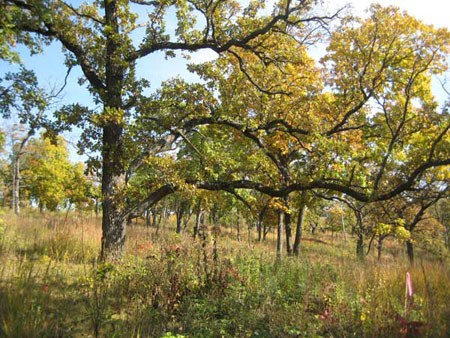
x: 298, y: 231
x: 113, y: 220
x: 113, y: 173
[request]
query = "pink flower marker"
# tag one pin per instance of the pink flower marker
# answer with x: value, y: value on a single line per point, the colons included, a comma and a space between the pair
x: 408, y: 293
x: 409, y: 284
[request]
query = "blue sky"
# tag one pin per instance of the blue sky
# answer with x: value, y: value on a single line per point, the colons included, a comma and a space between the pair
x: 50, y: 69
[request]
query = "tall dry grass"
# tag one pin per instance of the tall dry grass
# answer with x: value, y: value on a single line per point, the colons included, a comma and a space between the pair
x: 52, y: 285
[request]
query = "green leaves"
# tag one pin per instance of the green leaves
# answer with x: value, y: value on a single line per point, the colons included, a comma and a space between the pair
x: 51, y: 179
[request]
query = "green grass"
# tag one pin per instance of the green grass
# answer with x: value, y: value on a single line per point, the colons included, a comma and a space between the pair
x: 170, y: 285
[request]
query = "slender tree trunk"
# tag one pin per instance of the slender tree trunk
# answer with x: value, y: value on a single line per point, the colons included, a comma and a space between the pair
x: 197, y: 219
x: 179, y: 216
x: 360, y: 246
x: 280, y: 236
x: 314, y: 227
x: 165, y: 215
x: 410, y: 251
x: 17, y: 154
x: 162, y: 219
x: 187, y: 218
x: 260, y: 222
x: 298, y: 231
x: 203, y: 229
x: 379, y: 249
x: 344, y: 234
x: 288, y: 229
x: 266, y: 230
x: 360, y: 236
x: 16, y: 185
x: 259, y: 229
x: 156, y: 220
x: 447, y: 237
x: 148, y: 217
x: 97, y: 207
x: 238, y: 228
x: 13, y: 171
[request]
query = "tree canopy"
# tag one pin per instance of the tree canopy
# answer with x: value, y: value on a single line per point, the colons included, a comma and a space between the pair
x: 362, y: 122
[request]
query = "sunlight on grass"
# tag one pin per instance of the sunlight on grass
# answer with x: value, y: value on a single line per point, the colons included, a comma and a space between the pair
x: 170, y: 285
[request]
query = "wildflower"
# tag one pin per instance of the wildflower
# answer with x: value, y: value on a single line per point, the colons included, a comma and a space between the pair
x: 326, y: 316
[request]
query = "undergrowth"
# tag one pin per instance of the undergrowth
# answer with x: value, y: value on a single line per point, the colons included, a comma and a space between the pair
x: 173, y: 286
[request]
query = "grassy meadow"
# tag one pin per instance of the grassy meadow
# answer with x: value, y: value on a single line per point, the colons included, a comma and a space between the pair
x: 169, y: 285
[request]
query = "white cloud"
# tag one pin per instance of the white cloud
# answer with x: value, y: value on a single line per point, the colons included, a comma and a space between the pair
x: 430, y: 11
x: 203, y: 55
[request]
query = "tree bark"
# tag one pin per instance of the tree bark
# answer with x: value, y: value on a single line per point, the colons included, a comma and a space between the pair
x: 238, y: 228
x: 97, y: 207
x: 447, y: 237
x: 344, y: 233
x: 360, y: 236
x: 265, y: 231
x: 197, y: 219
x: 249, y: 229
x: 280, y: 236
x: 288, y: 229
x: 260, y: 222
x: 360, y: 246
x: 179, y: 216
x: 113, y: 174
x: 298, y: 231
x: 16, y: 185
x: 113, y: 221
x: 379, y: 248
x: 17, y: 154
x: 130, y: 220
x: 259, y: 229
x: 410, y: 251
